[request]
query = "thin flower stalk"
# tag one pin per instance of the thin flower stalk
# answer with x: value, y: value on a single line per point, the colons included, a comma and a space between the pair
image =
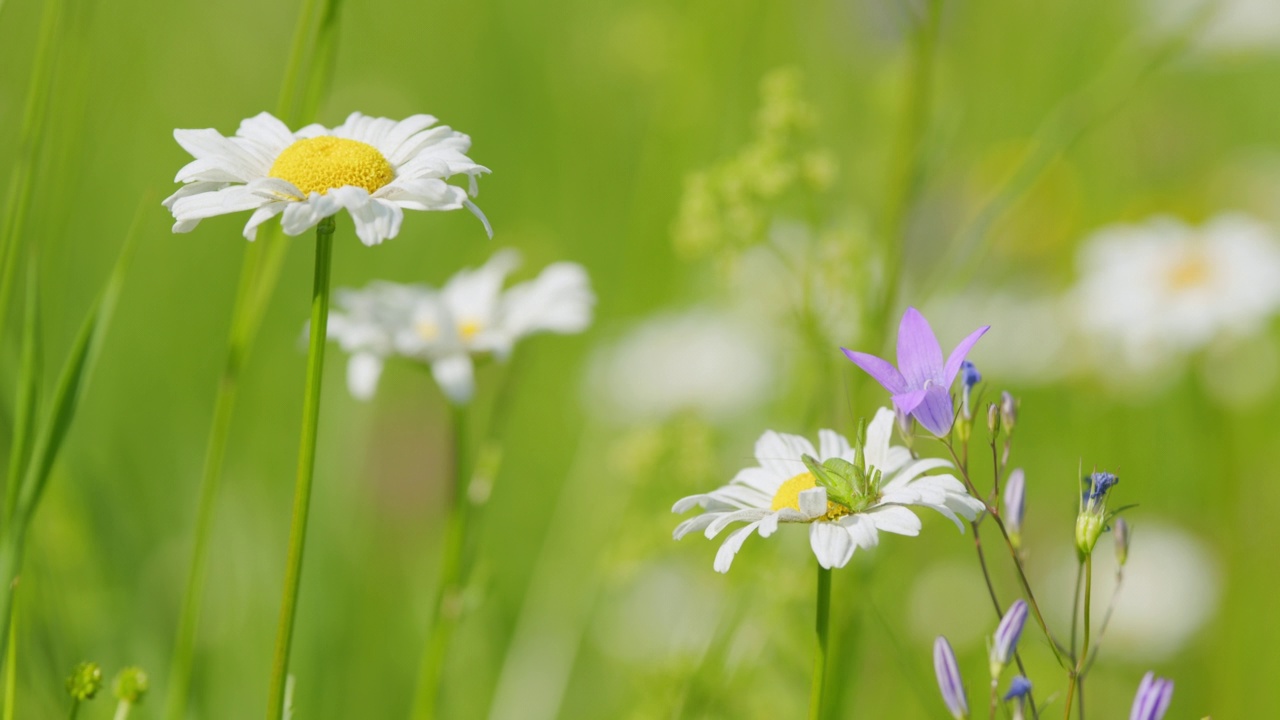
x: 1077, y: 671
x: 449, y: 588
x: 306, y: 466
x: 822, y: 616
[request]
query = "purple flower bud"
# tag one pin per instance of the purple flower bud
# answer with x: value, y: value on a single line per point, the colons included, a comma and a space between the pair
x: 1015, y: 505
x: 1005, y: 642
x: 969, y: 375
x: 1152, y: 700
x: 949, y: 681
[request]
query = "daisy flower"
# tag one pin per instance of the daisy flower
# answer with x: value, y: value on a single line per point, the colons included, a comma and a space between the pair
x: 1162, y: 288
x: 847, y: 495
x: 374, y: 168
x: 472, y: 316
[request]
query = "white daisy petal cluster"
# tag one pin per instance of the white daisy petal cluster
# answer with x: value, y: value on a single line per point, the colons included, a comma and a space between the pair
x: 374, y: 168
x: 784, y: 489
x: 1163, y: 287
x: 448, y: 328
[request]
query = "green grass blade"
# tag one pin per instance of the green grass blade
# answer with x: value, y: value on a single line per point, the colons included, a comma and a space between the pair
x: 28, y: 394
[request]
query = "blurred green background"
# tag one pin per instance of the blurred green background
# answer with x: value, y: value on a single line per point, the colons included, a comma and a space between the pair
x: 591, y: 116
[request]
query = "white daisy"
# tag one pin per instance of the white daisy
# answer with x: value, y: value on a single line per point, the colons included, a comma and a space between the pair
x: 471, y: 316
x: 375, y: 168
x: 1161, y: 288
x: 365, y: 323
x: 783, y: 489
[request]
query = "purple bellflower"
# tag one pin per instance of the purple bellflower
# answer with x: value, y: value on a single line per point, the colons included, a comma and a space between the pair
x: 1152, y: 700
x: 949, y: 680
x: 1019, y: 691
x: 1005, y: 642
x: 921, y: 384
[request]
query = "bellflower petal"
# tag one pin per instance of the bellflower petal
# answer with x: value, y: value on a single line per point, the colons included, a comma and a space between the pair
x: 1152, y: 700
x: 919, y: 355
x: 881, y: 370
x: 935, y: 412
x: 906, y: 403
x: 959, y: 354
x: 949, y: 680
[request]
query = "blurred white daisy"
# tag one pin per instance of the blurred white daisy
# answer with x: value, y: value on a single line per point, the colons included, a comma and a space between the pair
x: 365, y: 323
x: 700, y: 359
x: 375, y: 168
x: 1219, y: 25
x: 1164, y: 288
x: 864, y: 491
x: 471, y: 316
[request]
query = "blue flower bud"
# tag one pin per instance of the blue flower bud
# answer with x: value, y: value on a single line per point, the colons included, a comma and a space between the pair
x: 1093, y: 516
x: 949, y: 680
x: 1019, y: 692
x: 1005, y: 642
x: 1152, y: 700
x: 969, y: 375
x: 1015, y: 506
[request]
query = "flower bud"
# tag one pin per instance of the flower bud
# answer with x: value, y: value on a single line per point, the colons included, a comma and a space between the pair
x: 1093, y: 516
x: 1008, y: 411
x: 969, y: 377
x: 1152, y: 700
x: 949, y: 680
x: 85, y: 681
x: 993, y: 419
x: 1120, y: 534
x: 1015, y: 506
x: 1005, y: 642
x: 1019, y: 691
x: 130, y: 685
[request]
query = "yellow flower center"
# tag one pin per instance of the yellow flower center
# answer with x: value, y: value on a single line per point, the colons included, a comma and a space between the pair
x: 1190, y: 272
x: 788, y: 496
x: 321, y: 164
x: 468, y: 329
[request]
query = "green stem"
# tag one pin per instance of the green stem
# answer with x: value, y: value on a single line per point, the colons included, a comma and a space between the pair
x: 1084, y: 647
x: 75, y: 709
x: 448, y: 589
x: 306, y: 465
x: 122, y: 710
x: 11, y: 664
x: 821, y: 625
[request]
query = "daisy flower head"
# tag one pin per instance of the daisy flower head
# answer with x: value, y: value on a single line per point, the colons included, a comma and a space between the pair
x: 375, y: 168
x: 1156, y: 290
x: 846, y: 494
x: 472, y: 316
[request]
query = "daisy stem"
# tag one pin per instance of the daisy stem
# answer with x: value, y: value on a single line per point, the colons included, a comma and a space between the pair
x: 306, y: 466
x: 447, y: 601
x: 822, y: 625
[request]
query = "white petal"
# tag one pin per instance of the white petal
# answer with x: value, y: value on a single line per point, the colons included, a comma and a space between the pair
x: 732, y: 543
x: 759, y: 479
x: 363, y: 371
x: 391, y: 145
x: 895, y: 519
x: 693, y: 524
x: 861, y: 530
x: 192, y: 188
x: 879, y: 432
x: 475, y: 210
x: 813, y: 502
x: 914, y: 470
x: 776, y: 455
x: 261, y: 215
x: 218, y: 153
x: 831, y: 444
x: 375, y: 220
x: 559, y: 300
x: 268, y: 131
x: 751, y: 515
x: 233, y: 199
x: 424, y: 194
x: 300, y: 217
x: 456, y: 377
x: 831, y: 544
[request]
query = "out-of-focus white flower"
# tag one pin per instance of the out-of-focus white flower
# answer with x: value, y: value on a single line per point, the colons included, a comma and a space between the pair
x: 374, y: 168
x: 700, y: 360
x: 471, y: 316
x: 664, y: 614
x: 1170, y: 589
x: 1153, y: 291
x: 1219, y: 25
x: 862, y: 494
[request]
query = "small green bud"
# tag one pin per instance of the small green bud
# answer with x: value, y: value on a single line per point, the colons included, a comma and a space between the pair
x: 1120, y: 530
x: 1088, y: 529
x: 1008, y: 411
x: 130, y: 685
x: 85, y: 681
x: 993, y: 419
